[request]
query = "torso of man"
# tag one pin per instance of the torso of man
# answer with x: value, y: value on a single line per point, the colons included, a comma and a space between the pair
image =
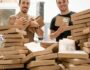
x: 30, y: 33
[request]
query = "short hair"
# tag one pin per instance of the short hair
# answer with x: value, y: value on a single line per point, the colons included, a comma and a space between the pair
x: 19, y: 1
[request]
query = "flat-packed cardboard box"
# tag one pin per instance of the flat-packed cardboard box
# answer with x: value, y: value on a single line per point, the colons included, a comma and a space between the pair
x: 11, y: 66
x: 41, y: 63
x: 8, y: 62
x: 77, y: 34
x: 13, y: 30
x: 12, y: 36
x: 88, y: 24
x: 14, y: 52
x: 79, y: 67
x: 82, y: 21
x: 53, y: 67
x: 47, y: 56
x: 78, y: 30
x: 87, y: 44
x: 40, y: 21
x: 53, y: 47
x: 86, y: 30
x: 81, y: 17
x: 73, y: 54
x: 14, y: 44
x: 77, y: 26
x: 13, y: 40
x: 7, y: 57
x: 81, y: 13
x: 34, y: 54
x: 80, y: 37
x: 86, y: 49
x: 77, y: 61
x: 61, y: 21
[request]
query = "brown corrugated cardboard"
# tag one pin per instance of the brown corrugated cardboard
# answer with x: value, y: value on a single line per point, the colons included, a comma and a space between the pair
x: 32, y: 55
x: 53, y: 67
x: 86, y: 49
x: 73, y: 54
x: 39, y: 20
x: 47, y: 56
x: 81, y: 17
x: 80, y: 37
x: 12, y: 36
x: 82, y: 21
x: 13, y: 40
x: 81, y: 13
x: 41, y: 63
x: 77, y: 61
x: 78, y: 30
x: 11, y: 66
x: 87, y: 44
x: 79, y: 67
x: 8, y: 62
x: 13, y: 30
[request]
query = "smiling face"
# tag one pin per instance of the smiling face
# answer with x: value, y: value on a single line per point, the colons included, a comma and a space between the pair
x: 24, y: 5
x: 62, y: 5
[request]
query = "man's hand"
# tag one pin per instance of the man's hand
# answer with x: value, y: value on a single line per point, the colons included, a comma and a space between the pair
x: 20, y: 21
x: 34, y: 24
x: 59, y: 31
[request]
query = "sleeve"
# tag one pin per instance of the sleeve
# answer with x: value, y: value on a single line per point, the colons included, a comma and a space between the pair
x: 52, y: 25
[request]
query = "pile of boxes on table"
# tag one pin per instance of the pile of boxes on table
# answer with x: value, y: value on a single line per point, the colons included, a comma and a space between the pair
x: 12, y: 49
x: 81, y: 27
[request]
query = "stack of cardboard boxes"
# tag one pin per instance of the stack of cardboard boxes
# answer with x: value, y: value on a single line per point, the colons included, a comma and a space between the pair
x: 12, y: 36
x: 81, y: 25
x: 13, y: 50
x: 11, y: 57
x: 42, y: 60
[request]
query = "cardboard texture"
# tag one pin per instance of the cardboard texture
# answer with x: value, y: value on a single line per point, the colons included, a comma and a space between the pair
x: 47, y: 56
x: 41, y: 63
x: 79, y: 67
x: 73, y: 54
x: 81, y: 13
x: 34, y: 54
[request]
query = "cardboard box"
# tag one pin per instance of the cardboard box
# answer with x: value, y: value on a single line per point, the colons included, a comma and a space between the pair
x: 12, y: 66
x: 73, y: 54
x: 12, y: 36
x: 53, y: 47
x: 47, y: 56
x: 81, y: 13
x: 86, y: 49
x: 79, y: 67
x: 9, y: 62
x: 53, y: 67
x: 14, y: 52
x: 81, y: 17
x: 87, y: 44
x: 13, y: 40
x: 78, y: 30
x: 34, y: 54
x: 13, y: 30
x: 18, y: 56
x: 41, y: 63
x: 77, y: 26
x: 82, y: 21
x: 40, y: 21
x: 80, y: 37
x: 77, y: 34
x: 77, y: 61
x: 13, y: 44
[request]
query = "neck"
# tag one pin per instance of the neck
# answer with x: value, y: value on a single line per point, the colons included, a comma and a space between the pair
x: 65, y: 12
x: 23, y: 13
